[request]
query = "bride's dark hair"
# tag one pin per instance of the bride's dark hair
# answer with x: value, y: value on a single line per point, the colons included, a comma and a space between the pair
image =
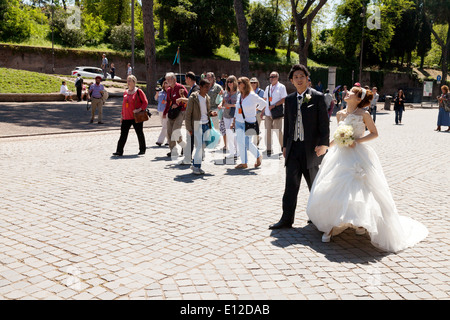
x: 367, y: 99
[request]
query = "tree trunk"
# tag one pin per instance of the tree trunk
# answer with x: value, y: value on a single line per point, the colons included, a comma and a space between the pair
x: 445, y: 53
x: 302, y: 19
x: 161, y: 28
x: 290, y: 41
x: 243, y: 37
x: 150, y: 49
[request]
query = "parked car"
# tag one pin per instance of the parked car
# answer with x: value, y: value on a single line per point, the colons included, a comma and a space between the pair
x: 91, y: 72
x: 181, y: 78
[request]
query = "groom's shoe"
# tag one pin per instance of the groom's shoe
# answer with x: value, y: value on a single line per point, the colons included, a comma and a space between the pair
x: 280, y: 225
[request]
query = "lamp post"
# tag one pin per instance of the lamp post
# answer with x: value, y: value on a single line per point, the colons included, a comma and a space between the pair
x: 132, y: 36
x: 363, y: 15
x: 53, y: 49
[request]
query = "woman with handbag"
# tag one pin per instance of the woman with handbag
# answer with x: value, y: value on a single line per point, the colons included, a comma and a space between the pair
x: 228, y: 106
x: 245, y: 121
x: 134, y: 101
x: 444, y: 109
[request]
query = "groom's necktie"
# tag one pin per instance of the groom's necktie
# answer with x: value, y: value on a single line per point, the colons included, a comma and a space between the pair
x: 299, y: 133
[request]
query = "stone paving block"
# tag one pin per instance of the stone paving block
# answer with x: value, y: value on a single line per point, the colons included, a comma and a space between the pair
x: 201, y: 248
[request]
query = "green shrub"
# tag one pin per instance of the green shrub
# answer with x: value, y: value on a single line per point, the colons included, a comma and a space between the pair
x: 94, y: 28
x: 121, y: 36
x: 15, y: 23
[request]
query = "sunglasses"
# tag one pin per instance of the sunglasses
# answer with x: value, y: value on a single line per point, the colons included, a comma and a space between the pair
x: 239, y: 82
x: 272, y: 77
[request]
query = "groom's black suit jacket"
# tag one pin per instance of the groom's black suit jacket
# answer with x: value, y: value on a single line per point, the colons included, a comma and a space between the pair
x: 316, y: 125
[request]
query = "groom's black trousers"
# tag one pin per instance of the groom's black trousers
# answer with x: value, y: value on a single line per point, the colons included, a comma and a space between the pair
x: 296, y: 166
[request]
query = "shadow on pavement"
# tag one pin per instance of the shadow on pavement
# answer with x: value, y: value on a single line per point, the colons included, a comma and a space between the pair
x: 190, y: 177
x: 345, y: 247
x: 241, y: 172
x: 61, y: 115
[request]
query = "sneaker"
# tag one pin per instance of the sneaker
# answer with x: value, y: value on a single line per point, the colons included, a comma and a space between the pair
x: 201, y: 171
x: 196, y: 171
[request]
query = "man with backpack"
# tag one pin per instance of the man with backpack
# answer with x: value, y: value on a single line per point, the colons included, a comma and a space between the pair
x: 79, y: 86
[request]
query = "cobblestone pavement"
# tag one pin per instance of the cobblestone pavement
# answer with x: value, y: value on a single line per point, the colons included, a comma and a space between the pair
x: 76, y: 223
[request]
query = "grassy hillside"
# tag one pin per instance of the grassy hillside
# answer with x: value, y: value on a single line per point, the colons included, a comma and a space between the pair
x: 20, y: 81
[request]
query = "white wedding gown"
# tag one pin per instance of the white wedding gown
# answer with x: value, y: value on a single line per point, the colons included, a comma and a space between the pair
x: 350, y: 190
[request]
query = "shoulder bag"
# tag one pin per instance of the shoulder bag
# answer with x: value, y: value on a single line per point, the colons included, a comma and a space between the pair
x: 142, y: 115
x: 250, y: 128
x: 277, y: 111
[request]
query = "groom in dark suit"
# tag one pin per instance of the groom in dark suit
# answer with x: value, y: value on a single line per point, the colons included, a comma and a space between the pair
x: 306, y: 138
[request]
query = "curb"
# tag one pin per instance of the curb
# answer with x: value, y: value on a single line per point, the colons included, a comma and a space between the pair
x: 41, y: 97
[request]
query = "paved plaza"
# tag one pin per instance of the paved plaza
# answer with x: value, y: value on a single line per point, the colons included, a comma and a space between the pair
x: 77, y: 223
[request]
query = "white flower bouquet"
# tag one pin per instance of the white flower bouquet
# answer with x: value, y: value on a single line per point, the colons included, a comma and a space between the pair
x: 343, y: 136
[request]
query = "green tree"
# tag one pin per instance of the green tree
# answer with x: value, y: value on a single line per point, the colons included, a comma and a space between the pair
x: 265, y: 27
x: 438, y: 12
x: 303, y: 20
x: 15, y: 23
x: 349, y: 28
x: 199, y: 26
x: 94, y: 28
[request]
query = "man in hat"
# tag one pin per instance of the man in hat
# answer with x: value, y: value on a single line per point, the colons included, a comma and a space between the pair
x: 96, y: 91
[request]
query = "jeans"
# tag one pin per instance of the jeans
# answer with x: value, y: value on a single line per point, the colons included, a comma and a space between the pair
x: 398, y: 116
x: 245, y: 143
x: 199, y: 138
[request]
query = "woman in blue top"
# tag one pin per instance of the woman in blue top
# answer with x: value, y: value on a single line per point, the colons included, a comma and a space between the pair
x: 161, y: 97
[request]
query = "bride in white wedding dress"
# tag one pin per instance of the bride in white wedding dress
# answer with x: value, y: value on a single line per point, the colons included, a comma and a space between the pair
x: 351, y: 191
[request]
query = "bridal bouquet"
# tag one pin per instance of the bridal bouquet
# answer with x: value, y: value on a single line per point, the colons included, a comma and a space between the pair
x: 344, y: 136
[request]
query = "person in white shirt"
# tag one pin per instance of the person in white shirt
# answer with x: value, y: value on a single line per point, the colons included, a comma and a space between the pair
x: 129, y: 70
x: 198, y: 113
x: 373, y: 103
x: 64, y: 90
x: 247, y: 103
x: 274, y: 94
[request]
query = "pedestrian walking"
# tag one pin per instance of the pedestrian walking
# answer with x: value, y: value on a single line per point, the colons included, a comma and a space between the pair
x: 112, y: 71
x: 259, y: 115
x: 129, y: 69
x: 104, y: 66
x: 373, y: 103
x: 214, y: 90
x: 191, y: 81
x: 96, y: 91
x: 444, y: 109
x: 399, y: 106
x: 328, y: 97
x: 198, y: 122
x: 245, y: 121
x: 79, y: 86
x: 274, y: 95
x: 134, y: 100
x: 161, y: 97
x: 228, y: 105
x: 175, y: 113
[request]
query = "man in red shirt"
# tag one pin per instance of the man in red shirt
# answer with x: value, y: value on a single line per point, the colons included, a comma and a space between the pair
x: 175, y: 116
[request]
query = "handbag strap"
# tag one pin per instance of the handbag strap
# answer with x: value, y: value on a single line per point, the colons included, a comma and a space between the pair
x: 240, y: 103
x: 268, y: 94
